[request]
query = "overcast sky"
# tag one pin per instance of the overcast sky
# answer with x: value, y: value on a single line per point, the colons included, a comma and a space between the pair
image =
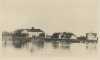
x: 49, y: 15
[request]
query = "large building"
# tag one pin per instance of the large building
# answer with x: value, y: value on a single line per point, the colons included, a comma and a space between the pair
x: 29, y: 32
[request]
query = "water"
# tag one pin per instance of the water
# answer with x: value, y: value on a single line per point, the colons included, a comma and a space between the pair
x: 51, y: 50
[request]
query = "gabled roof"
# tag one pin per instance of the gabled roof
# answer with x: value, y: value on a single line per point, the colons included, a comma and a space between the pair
x: 94, y: 34
x: 28, y: 30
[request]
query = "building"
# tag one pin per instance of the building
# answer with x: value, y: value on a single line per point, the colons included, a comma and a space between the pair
x: 30, y: 32
x: 91, y: 36
x: 73, y: 37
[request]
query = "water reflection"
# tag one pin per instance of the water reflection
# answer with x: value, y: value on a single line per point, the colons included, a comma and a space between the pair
x: 39, y: 44
x: 65, y: 45
x: 55, y: 44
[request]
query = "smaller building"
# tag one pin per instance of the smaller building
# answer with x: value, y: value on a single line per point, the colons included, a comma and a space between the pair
x: 91, y: 36
x: 73, y: 37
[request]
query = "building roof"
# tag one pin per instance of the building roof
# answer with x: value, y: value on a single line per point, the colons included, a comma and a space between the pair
x: 28, y: 30
x: 34, y: 30
x: 93, y: 34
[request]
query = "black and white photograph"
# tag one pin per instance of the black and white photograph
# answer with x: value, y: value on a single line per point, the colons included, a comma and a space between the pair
x: 49, y: 29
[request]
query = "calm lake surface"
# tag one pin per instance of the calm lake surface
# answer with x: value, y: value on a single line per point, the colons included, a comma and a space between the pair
x: 45, y: 51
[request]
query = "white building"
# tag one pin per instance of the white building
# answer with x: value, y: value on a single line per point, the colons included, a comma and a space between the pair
x: 32, y: 32
x: 91, y: 36
x: 73, y: 37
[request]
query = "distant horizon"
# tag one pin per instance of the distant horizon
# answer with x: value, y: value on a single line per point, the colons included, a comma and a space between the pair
x: 76, y: 33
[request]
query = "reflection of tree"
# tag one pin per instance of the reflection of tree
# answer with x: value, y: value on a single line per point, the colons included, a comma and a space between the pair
x: 6, y: 37
x: 55, y: 44
x: 19, y: 38
x: 42, y: 35
x: 39, y: 43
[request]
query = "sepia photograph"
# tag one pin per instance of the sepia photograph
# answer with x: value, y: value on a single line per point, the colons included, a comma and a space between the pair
x: 49, y: 29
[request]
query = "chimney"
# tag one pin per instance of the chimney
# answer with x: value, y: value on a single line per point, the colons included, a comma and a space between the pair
x: 32, y: 28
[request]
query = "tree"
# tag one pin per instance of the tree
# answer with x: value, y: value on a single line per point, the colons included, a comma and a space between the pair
x: 19, y: 33
x: 55, y: 35
x: 82, y: 38
x: 67, y: 35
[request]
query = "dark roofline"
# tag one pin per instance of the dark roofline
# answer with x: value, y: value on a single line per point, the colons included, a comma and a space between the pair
x: 34, y: 30
x: 29, y: 30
